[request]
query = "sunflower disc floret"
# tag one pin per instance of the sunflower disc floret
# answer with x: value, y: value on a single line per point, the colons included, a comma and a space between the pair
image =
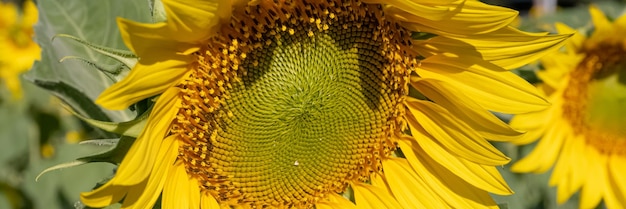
x: 321, y: 104
x: 297, y: 106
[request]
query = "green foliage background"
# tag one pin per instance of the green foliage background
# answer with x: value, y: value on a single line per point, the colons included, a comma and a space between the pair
x: 27, y: 124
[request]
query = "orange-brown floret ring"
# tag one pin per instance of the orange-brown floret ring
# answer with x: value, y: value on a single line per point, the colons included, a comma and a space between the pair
x: 285, y: 106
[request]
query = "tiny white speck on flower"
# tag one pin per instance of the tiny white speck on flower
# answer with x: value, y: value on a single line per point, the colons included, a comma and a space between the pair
x: 296, y: 163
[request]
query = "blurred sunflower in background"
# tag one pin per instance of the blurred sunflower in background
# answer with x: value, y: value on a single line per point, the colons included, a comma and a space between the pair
x: 323, y: 104
x: 18, y: 51
x: 582, y: 135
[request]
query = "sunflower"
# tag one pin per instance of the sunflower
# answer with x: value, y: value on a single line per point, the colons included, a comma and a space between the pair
x: 18, y: 51
x: 582, y: 133
x: 321, y: 104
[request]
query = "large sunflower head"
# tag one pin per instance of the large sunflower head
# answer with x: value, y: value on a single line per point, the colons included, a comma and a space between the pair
x: 583, y: 133
x: 18, y: 51
x: 321, y: 104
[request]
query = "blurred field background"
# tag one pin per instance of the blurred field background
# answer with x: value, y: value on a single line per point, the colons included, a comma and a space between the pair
x: 36, y: 132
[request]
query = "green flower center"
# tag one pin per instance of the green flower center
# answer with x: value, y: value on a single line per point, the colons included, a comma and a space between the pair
x: 596, y: 97
x: 607, y: 105
x: 291, y: 102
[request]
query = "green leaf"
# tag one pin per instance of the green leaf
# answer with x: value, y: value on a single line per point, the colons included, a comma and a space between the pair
x: 76, y: 83
x: 61, y: 166
x: 503, y: 205
x: 93, y: 22
x: 101, y: 142
x: 115, y: 72
x: 130, y: 128
x: 114, y: 155
x: 74, y: 97
x: 124, y: 56
x: 60, y: 190
x: 158, y: 11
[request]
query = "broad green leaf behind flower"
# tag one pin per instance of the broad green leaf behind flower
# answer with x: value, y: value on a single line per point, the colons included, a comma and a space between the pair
x: 76, y: 82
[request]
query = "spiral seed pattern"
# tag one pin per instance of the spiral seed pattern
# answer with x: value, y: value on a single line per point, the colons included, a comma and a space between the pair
x: 293, y: 101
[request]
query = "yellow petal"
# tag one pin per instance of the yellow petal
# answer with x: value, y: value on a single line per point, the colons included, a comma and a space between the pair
x: 176, y: 190
x: 464, y: 108
x: 578, y: 164
x: 194, y: 194
x: 574, y: 44
x: 142, y: 82
x: 546, y: 152
x: 410, y: 10
x: 410, y: 189
x: 604, y: 31
x: 560, y: 172
x: 452, y: 133
x: 600, y: 22
x: 326, y: 205
x: 104, y: 195
x: 467, y: 18
x: 617, y: 171
x: 508, y: 47
x: 207, y: 201
x: 195, y: 20
x: 146, y: 197
x: 138, y: 162
x: 152, y: 42
x: 8, y: 12
x: 30, y: 13
x: 12, y: 82
x: 335, y: 201
x: 559, y: 66
x: 378, y: 181
x: 593, y: 190
x: 140, y: 159
x: 534, y: 123
x: 530, y: 136
x: 566, y: 173
x: 484, y: 177
x: 436, y: 3
x: 450, y: 188
x: 372, y: 197
x: 492, y: 87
